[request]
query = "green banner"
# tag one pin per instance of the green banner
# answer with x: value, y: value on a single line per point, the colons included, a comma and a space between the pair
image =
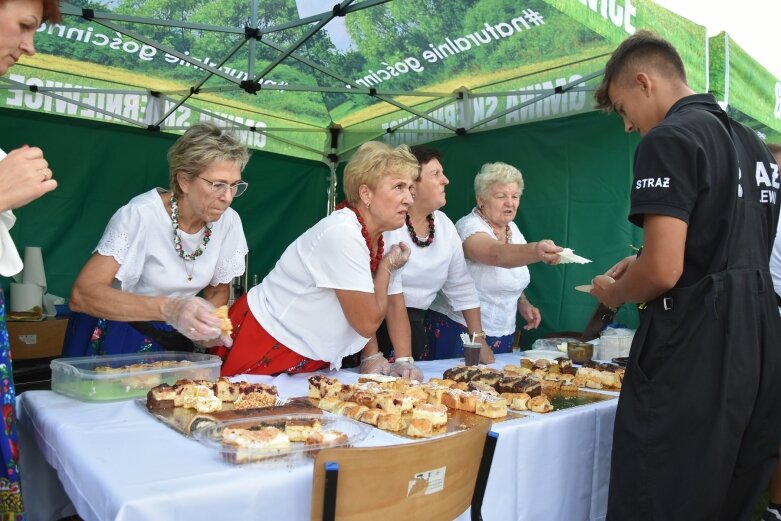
x: 746, y: 87
x: 616, y: 19
x: 381, y: 66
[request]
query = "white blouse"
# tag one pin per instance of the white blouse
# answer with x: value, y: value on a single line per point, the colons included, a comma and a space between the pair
x: 10, y: 262
x: 499, y: 288
x: 140, y: 238
x: 296, y: 302
x: 439, y: 266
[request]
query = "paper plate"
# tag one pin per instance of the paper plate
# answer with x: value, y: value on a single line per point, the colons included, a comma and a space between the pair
x: 585, y: 288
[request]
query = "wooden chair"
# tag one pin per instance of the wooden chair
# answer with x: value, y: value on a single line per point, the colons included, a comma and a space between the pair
x: 435, y: 480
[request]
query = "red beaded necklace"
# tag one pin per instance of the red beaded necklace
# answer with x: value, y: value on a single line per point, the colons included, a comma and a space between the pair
x: 373, y: 261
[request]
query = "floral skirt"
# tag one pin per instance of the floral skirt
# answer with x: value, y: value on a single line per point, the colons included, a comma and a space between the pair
x: 90, y: 336
x: 10, y: 484
x: 444, y: 338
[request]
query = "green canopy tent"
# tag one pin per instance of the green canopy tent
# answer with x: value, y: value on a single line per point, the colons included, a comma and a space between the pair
x: 305, y: 83
x: 749, y: 92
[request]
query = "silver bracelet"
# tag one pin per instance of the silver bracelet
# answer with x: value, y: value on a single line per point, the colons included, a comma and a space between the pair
x: 405, y: 359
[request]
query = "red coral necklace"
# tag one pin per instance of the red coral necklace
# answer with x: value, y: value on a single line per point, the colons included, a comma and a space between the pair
x: 508, y: 233
x: 373, y: 261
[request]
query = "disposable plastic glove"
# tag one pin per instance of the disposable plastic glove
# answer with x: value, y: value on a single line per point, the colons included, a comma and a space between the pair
x: 397, y: 256
x: 222, y: 340
x: 405, y: 369
x: 546, y: 251
x: 375, y: 364
x: 193, y: 317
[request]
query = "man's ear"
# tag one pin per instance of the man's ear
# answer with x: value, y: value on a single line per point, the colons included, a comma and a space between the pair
x: 645, y: 82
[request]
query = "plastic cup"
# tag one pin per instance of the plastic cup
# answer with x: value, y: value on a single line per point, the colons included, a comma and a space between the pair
x: 471, y: 354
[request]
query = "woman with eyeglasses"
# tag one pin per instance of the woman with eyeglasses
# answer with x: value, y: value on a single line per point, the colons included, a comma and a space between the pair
x: 137, y: 292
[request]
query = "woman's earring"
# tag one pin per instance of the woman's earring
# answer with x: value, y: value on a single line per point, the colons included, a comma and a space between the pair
x: 367, y: 205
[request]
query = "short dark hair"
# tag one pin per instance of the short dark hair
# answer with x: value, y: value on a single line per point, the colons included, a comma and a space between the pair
x: 425, y: 154
x: 643, y: 47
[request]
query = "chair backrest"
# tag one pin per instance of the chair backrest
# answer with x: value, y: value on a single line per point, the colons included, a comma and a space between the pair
x: 433, y: 479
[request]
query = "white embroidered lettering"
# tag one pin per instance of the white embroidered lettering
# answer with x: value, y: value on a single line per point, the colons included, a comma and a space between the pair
x: 761, y: 175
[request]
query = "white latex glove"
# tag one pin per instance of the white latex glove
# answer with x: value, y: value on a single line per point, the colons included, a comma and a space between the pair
x: 222, y: 340
x: 375, y: 364
x: 406, y: 369
x: 193, y: 317
x: 397, y: 256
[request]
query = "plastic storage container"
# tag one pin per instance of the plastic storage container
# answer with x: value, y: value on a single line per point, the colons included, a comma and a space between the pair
x: 295, y: 452
x: 121, y: 377
x: 615, y: 343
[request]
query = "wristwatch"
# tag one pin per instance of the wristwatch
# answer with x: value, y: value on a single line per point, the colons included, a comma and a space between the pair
x: 405, y: 360
x: 478, y: 334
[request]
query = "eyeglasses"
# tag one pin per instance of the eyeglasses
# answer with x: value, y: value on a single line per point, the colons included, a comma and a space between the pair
x: 236, y: 188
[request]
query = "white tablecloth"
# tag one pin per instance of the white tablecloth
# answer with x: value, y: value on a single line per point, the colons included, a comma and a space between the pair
x: 115, y: 462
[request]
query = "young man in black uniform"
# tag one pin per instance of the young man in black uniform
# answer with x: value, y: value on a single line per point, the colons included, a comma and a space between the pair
x: 698, y: 421
x: 773, y: 511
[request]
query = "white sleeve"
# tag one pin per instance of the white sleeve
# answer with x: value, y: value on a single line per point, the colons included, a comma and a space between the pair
x: 233, y: 249
x: 468, y: 226
x: 124, y: 240
x: 459, y: 288
x: 340, y: 260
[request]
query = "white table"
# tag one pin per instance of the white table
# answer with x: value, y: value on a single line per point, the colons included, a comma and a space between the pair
x: 113, y: 461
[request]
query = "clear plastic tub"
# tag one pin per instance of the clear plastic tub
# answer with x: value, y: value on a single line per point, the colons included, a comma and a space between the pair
x: 122, y: 377
x: 289, y: 454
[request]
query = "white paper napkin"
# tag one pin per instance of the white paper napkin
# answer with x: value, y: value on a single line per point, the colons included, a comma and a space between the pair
x: 568, y: 256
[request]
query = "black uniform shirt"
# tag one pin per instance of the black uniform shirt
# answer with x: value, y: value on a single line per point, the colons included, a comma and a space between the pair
x: 687, y: 167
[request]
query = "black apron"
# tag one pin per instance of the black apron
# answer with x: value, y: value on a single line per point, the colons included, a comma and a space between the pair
x: 697, y: 427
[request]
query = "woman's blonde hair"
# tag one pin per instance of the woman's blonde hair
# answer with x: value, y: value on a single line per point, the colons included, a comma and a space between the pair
x: 371, y: 162
x: 201, y: 146
x: 496, y: 174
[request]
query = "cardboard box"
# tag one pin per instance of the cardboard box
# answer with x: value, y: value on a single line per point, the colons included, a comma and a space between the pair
x: 37, y: 339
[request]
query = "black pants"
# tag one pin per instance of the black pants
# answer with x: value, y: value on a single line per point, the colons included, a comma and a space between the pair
x: 697, y: 426
x: 419, y: 337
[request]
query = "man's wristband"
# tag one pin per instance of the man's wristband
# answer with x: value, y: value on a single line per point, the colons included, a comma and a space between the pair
x: 478, y: 334
x: 405, y: 360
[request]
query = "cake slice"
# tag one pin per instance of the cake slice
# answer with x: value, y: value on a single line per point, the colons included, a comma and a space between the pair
x: 162, y: 396
x: 330, y: 437
x: 321, y: 386
x: 226, y: 390
x: 491, y: 407
x: 255, y: 445
x: 390, y: 422
x: 370, y: 416
x: 420, y: 428
x: 520, y: 402
x: 540, y: 403
x: 300, y: 430
x: 436, y: 414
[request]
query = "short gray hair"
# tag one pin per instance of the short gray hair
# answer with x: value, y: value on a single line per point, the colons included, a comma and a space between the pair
x: 494, y: 174
x: 201, y: 146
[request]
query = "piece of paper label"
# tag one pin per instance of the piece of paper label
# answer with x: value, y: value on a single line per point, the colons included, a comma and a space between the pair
x: 428, y: 482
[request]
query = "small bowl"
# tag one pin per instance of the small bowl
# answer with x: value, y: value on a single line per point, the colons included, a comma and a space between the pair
x: 580, y: 352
